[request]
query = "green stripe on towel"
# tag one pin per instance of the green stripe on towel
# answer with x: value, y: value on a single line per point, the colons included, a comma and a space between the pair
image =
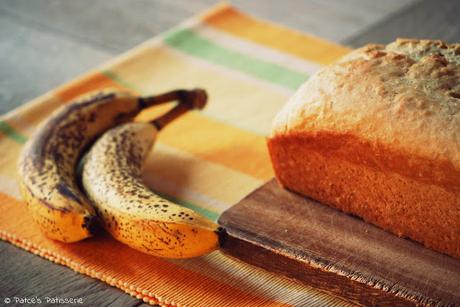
x: 10, y: 132
x: 190, y: 43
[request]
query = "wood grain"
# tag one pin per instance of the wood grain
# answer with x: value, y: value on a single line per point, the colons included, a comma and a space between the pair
x: 34, y: 61
x: 25, y: 275
x: 71, y: 37
x: 428, y: 19
x: 115, y: 25
x: 286, y: 233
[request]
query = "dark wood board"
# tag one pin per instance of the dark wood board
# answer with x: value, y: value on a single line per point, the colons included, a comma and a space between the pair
x: 289, y: 234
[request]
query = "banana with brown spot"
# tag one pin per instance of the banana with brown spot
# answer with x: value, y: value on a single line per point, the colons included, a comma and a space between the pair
x: 48, y: 162
x: 131, y: 212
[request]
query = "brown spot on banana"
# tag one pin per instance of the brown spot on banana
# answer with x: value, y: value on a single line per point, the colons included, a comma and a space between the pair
x: 48, y: 162
x: 130, y: 211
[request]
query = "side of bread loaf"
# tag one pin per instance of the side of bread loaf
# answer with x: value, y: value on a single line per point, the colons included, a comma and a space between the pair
x: 378, y: 135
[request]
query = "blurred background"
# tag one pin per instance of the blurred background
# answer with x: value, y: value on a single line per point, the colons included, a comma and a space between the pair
x: 44, y: 43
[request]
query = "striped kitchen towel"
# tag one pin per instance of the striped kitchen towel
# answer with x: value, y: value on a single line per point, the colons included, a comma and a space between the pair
x: 206, y: 160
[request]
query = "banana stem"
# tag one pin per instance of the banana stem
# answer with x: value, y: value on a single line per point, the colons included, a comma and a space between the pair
x: 188, y: 100
x: 180, y: 95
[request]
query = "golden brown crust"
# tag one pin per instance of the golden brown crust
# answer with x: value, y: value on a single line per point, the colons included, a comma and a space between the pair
x: 386, y: 95
x: 378, y: 135
x: 377, y: 157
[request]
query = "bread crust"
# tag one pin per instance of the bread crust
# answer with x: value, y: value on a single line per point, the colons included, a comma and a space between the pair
x: 405, y: 95
x: 378, y: 135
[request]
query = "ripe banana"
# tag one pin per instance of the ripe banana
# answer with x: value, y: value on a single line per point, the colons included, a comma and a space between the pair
x: 48, y: 162
x: 130, y: 211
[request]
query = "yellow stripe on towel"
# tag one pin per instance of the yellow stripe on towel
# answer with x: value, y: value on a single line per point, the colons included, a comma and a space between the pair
x: 284, y: 39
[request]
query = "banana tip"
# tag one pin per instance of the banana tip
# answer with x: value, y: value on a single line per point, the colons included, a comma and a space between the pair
x: 91, y: 223
x: 222, y: 235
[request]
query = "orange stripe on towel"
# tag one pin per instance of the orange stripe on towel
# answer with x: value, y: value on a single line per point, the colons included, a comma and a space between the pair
x: 277, y: 37
x: 130, y: 270
x: 95, y: 81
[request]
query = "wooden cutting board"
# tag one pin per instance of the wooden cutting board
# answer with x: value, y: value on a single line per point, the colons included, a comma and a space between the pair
x: 288, y: 234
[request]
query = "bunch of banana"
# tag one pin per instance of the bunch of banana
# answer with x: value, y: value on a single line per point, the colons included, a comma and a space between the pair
x: 48, y: 162
x: 130, y: 211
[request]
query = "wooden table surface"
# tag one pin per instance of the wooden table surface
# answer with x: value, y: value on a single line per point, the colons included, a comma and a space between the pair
x: 44, y: 43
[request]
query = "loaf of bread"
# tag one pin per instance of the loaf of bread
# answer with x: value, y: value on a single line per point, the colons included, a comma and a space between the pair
x: 377, y: 135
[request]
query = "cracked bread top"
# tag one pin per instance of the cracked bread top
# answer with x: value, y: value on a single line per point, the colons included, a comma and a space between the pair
x: 405, y: 95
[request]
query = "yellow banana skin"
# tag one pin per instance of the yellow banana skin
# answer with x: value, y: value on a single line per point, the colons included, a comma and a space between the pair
x: 48, y: 162
x: 130, y: 211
